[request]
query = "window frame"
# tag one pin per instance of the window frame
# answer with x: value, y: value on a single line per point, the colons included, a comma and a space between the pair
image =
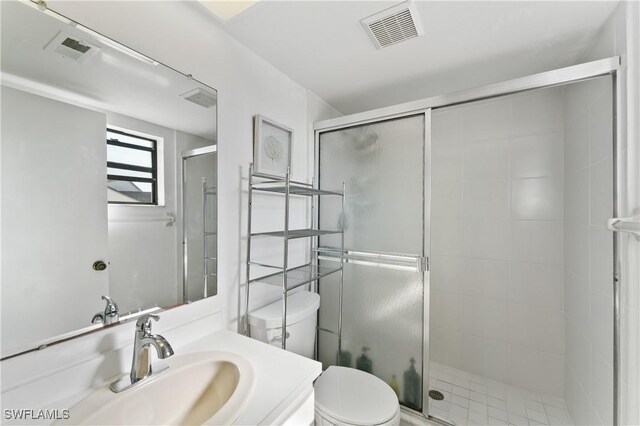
x: 124, y: 166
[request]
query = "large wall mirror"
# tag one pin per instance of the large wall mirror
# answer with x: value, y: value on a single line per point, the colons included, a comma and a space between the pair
x: 109, y: 181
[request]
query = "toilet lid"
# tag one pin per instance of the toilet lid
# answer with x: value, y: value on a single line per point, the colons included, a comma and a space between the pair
x: 353, y: 396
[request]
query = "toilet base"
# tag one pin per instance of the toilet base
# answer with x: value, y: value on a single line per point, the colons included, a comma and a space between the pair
x: 321, y: 419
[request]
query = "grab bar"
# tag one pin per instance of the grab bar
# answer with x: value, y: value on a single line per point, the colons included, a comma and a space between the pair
x: 383, y: 260
x: 625, y: 224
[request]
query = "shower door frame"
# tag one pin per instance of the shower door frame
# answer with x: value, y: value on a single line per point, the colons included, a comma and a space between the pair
x: 559, y: 77
x: 186, y: 155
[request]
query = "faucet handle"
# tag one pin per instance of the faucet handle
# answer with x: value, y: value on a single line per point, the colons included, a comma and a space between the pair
x: 112, y: 306
x: 143, y: 324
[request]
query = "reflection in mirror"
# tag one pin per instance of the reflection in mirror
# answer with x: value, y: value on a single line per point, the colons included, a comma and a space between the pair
x: 104, y: 152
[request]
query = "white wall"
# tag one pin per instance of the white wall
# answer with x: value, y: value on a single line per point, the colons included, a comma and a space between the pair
x: 619, y: 36
x: 497, y: 284
x: 53, y: 220
x: 588, y: 251
x: 142, y: 269
x: 181, y: 36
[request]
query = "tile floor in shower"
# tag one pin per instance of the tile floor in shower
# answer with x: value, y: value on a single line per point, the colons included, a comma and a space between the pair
x: 470, y: 399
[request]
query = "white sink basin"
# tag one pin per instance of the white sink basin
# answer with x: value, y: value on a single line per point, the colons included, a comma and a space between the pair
x: 199, y: 388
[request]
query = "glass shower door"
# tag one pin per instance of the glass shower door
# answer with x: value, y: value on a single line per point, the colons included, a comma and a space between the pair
x: 383, y: 167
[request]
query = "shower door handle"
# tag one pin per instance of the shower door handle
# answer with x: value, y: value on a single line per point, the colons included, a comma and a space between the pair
x: 625, y: 224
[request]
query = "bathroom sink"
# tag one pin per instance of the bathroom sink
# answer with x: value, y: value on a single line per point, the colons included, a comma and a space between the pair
x: 198, y: 388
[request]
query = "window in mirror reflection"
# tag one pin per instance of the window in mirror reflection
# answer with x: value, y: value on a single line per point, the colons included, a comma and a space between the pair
x: 131, y: 168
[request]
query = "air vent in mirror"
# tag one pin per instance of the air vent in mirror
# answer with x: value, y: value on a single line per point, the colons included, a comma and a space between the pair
x: 201, y: 97
x: 72, y: 47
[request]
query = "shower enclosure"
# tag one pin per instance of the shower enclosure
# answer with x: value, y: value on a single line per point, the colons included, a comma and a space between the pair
x: 199, y: 207
x: 478, y: 264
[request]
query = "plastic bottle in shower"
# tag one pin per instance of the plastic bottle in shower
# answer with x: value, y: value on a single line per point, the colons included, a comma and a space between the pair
x: 363, y: 362
x: 412, y: 387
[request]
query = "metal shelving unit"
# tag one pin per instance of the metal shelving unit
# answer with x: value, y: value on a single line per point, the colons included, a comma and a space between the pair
x: 207, y: 191
x: 286, y: 277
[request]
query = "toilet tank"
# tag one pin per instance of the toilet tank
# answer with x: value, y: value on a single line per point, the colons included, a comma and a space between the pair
x: 265, y: 323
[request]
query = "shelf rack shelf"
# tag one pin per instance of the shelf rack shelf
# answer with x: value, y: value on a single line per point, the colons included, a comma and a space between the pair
x: 285, y: 277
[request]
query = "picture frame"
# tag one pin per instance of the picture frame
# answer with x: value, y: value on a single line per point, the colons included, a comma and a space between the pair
x: 272, y: 143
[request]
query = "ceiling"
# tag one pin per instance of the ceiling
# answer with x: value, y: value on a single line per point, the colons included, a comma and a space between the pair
x: 108, y: 81
x: 323, y: 46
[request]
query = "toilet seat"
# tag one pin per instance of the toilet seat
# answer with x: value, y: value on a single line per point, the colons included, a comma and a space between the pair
x: 346, y: 396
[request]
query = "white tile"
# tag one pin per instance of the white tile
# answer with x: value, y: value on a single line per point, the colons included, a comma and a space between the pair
x: 478, y: 407
x: 577, y: 401
x: 477, y: 397
x: 478, y: 387
x: 497, y: 393
x: 537, y: 416
x: 485, y: 278
x: 576, y: 248
x: 555, y: 421
x: 600, y: 258
x: 517, y: 409
x: 517, y: 420
x: 577, y: 301
x: 446, y: 128
x: 601, y: 129
x: 537, y: 284
x: 556, y: 412
x: 536, y: 370
x: 446, y: 163
x: 576, y: 196
x: 460, y: 391
x: 578, y: 353
x: 534, y: 423
x: 484, y: 318
x: 537, y: 156
x: 539, y: 242
x: 476, y: 418
x: 487, y: 159
x: 446, y: 310
x: 446, y: 198
x: 536, y: 113
x: 459, y: 415
x: 495, y: 421
x: 601, y: 320
x: 601, y: 380
x: 497, y: 413
x: 496, y: 403
x: 486, y: 199
x: 601, y: 200
x: 536, y: 198
x: 553, y: 401
x: 446, y: 273
x: 460, y: 401
x: 486, y: 239
x: 439, y: 413
x: 534, y: 405
x: 486, y: 120
x: 536, y: 328
x: 485, y: 356
x: 446, y: 236
x: 445, y: 386
x: 445, y: 346
x: 576, y: 149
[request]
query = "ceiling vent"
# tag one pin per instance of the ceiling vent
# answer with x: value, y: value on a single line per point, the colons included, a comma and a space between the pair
x: 201, y: 97
x: 72, y: 47
x: 393, y: 25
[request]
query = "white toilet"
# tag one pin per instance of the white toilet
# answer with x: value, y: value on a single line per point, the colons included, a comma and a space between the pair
x: 343, y: 396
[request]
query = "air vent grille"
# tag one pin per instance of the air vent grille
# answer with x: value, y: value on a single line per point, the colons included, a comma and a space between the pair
x: 72, y: 48
x: 201, y: 97
x: 393, y: 25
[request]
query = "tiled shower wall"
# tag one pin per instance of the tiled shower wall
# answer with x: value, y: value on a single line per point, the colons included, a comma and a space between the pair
x: 497, y: 285
x: 588, y: 257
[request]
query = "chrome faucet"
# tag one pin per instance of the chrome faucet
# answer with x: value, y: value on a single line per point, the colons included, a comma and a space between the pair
x: 141, y: 366
x: 110, y: 315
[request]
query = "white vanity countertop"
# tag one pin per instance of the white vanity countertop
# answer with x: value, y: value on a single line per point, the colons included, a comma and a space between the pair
x: 279, y: 374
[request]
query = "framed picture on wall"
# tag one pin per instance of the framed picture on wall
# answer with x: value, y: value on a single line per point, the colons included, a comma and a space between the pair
x: 271, y: 147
